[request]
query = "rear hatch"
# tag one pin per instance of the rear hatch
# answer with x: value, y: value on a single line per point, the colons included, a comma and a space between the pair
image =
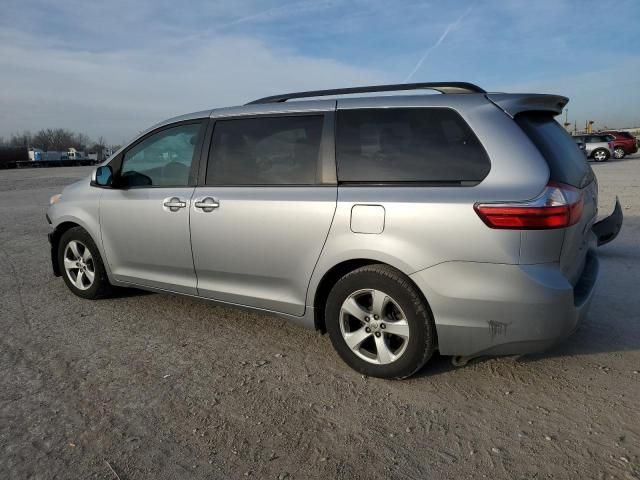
x: 567, y: 166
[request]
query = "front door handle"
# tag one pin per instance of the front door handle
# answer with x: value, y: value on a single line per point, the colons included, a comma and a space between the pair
x: 207, y: 204
x: 174, y: 204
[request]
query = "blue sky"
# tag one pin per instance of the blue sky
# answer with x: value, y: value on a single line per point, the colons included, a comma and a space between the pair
x: 114, y: 67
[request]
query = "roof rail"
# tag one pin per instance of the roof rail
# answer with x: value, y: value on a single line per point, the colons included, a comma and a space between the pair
x: 442, y: 87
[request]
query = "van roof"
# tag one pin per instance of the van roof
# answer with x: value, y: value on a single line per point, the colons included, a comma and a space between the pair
x: 454, y: 94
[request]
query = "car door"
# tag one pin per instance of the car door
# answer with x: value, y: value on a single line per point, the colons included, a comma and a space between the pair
x: 144, y: 219
x: 261, y: 217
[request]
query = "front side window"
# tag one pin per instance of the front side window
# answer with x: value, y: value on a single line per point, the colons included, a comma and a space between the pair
x: 431, y: 145
x: 265, y: 151
x: 163, y: 159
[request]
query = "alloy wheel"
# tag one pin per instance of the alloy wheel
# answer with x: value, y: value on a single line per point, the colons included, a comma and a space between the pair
x: 374, y: 326
x: 600, y: 156
x: 79, y: 265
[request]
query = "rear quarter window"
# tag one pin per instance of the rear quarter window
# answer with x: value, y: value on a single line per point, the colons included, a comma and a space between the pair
x: 397, y: 145
x: 567, y: 163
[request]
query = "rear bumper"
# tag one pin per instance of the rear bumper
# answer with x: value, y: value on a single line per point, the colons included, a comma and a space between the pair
x: 629, y: 148
x: 608, y: 228
x: 499, y: 309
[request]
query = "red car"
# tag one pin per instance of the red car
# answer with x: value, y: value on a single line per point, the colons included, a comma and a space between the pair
x: 623, y: 143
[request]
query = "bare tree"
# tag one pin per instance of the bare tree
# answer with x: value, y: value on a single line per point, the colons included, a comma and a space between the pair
x: 99, y: 147
x: 80, y: 141
x: 52, y: 139
x: 60, y: 139
x: 23, y: 139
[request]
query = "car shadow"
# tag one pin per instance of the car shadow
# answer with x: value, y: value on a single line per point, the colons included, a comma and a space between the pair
x: 596, y: 335
x: 627, y: 158
x: 440, y: 364
x: 126, y: 292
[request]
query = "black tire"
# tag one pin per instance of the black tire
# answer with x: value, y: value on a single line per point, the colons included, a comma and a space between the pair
x: 619, y: 153
x: 422, y: 332
x: 602, y: 153
x: 100, y: 288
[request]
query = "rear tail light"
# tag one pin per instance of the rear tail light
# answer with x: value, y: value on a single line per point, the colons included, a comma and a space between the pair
x: 611, y: 145
x: 558, y: 206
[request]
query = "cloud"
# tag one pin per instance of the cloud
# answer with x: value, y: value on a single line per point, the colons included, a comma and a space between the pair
x: 118, y: 93
x: 113, y: 68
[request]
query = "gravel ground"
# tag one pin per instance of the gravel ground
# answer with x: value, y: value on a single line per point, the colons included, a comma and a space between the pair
x: 160, y: 386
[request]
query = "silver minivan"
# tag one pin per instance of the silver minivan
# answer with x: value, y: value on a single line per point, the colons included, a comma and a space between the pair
x: 463, y: 222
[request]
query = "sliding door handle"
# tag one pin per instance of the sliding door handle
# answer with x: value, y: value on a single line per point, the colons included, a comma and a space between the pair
x: 207, y: 204
x: 174, y: 204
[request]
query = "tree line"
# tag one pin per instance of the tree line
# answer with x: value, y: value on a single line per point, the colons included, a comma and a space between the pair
x: 55, y: 139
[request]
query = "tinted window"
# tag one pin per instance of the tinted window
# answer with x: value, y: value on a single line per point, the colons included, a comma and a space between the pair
x: 162, y: 159
x: 625, y: 135
x: 599, y: 138
x: 408, y: 145
x: 265, y: 151
x: 566, y: 162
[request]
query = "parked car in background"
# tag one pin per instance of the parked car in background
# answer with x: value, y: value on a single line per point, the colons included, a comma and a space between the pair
x: 598, y: 147
x: 401, y: 225
x: 623, y: 143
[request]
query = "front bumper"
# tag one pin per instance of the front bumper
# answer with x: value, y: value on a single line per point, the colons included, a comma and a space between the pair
x: 51, y: 236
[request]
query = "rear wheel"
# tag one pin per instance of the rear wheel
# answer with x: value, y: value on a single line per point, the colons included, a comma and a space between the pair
x: 82, y: 267
x: 379, y: 324
x: 601, y: 155
x: 618, y: 153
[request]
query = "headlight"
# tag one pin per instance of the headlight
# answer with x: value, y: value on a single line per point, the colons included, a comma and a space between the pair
x: 55, y: 199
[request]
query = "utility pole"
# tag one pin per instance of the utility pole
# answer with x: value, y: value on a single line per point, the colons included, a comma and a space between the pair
x: 566, y: 120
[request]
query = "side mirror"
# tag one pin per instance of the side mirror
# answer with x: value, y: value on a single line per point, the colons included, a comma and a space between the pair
x: 102, y: 176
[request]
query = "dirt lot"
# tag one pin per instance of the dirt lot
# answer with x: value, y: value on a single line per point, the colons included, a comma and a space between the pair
x: 159, y: 386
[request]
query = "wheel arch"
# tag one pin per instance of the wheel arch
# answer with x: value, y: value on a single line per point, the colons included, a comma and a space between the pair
x: 55, y: 236
x: 333, y: 274
x: 620, y: 147
x: 600, y: 149
x: 65, y: 224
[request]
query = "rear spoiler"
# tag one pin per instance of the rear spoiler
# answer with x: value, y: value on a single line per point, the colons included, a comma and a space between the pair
x: 515, y: 103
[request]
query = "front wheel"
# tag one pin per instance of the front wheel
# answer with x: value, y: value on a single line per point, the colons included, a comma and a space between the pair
x: 379, y: 323
x: 619, y: 153
x: 81, y: 264
x: 601, y: 155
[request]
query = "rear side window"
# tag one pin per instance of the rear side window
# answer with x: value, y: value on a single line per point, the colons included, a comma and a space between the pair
x: 265, y: 151
x: 566, y: 162
x: 425, y: 145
